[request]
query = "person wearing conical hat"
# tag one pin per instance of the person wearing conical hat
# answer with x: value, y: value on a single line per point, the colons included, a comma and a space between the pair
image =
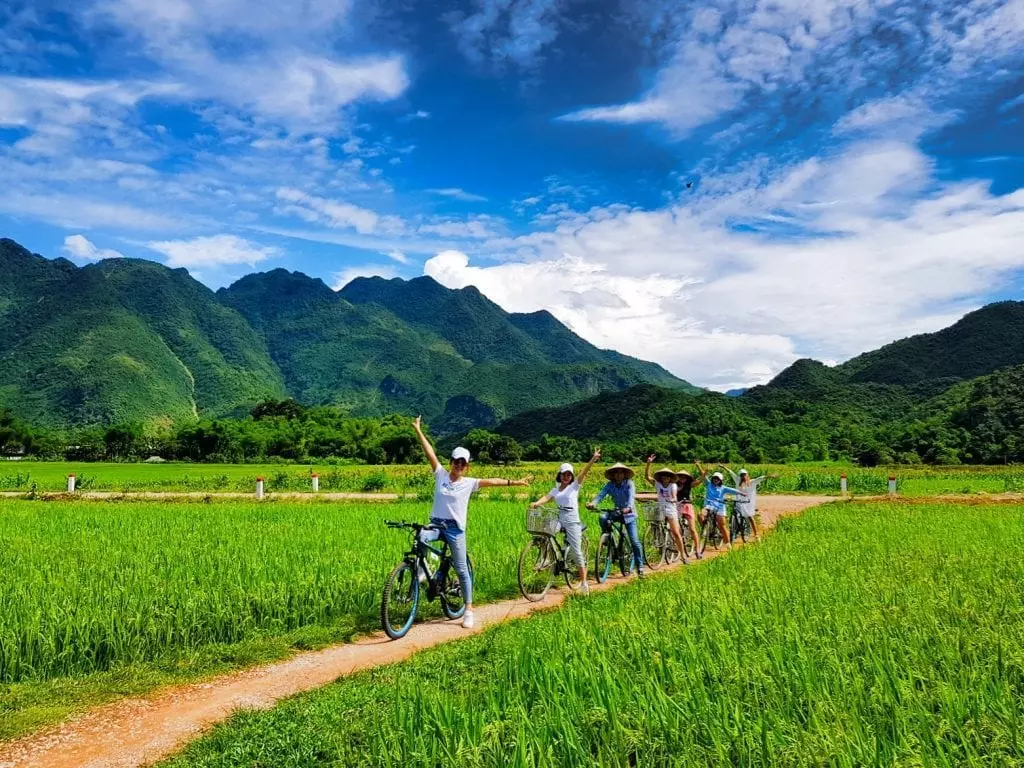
x: 685, y: 483
x: 566, y: 494
x: 664, y: 482
x: 623, y: 492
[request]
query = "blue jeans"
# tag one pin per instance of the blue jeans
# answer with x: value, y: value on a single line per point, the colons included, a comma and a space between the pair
x: 456, y: 539
x: 634, y: 535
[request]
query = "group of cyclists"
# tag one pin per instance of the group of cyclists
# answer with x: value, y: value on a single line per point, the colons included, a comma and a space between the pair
x: 673, y: 493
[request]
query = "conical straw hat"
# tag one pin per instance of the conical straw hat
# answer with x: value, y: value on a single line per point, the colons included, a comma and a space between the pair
x: 613, y: 467
x: 665, y: 471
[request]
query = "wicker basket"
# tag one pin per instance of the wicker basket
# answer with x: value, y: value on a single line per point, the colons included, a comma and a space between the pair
x: 652, y: 512
x: 542, y: 520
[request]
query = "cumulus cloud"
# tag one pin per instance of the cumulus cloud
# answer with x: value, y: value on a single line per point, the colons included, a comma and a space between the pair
x: 215, y: 251
x: 829, y: 258
x: 77, y: 246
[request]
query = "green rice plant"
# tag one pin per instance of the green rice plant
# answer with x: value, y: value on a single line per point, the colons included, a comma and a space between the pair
x: 90, y: 586
x: 857, y: 634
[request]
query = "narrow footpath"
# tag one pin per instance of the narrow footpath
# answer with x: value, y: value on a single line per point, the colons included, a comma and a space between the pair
x: 140, y: 731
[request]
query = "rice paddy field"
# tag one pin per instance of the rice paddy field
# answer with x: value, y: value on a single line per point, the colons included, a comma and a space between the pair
x: 99, y: 598
x: 856, y: 634
x: 42, y: 477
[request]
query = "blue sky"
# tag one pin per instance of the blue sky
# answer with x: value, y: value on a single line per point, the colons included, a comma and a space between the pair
x: 721, y: 187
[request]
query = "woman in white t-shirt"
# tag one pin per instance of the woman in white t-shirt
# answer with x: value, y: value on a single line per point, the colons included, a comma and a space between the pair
x: 566, y: 494
x: 664, y: 482
x: 452, y: 489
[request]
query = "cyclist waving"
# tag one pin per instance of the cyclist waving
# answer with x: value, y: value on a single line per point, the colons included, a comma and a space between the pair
x: 452, y: 489
x: 566, y: 494
x: 664, y: 482
x: 620, y: 487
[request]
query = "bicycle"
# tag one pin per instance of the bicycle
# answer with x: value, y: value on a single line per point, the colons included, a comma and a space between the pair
x: 544, y: 557
x: 709, y: 533
x: 659, y: 542
x: 739, y: 526
x: 401, y: 595
x: 613, y: 546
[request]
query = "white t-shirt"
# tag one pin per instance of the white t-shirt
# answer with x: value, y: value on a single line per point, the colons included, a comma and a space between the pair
x: 451, y: 500
x: 746, y: 500
x: 568, y: 501
x: 666, y: 495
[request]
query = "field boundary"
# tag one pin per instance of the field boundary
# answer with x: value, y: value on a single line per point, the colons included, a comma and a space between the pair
x: 141, y: 730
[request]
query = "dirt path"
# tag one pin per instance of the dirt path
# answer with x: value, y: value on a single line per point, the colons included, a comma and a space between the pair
x: 140, y: 731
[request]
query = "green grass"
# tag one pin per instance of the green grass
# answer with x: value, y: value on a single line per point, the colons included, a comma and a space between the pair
x: 415, y: 479
x: 857, y: 634
x: 101, y: 598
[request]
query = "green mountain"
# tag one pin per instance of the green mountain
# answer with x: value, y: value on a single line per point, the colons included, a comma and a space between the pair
x: 942, y: 397
x: 125, y: 340
x: 121, y: 340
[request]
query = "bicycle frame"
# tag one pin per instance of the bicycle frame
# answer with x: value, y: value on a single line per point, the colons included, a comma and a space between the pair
x: 417, y: 557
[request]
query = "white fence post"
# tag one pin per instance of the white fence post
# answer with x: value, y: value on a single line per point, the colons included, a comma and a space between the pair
x: 892, y: 485
x: 842, y: 484
x: 316, y: 483
x: 71, y: 483
x: 259, y: 487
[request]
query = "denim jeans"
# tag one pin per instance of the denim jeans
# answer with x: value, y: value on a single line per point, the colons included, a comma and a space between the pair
x: 634, y: 535
x: 456, y: 538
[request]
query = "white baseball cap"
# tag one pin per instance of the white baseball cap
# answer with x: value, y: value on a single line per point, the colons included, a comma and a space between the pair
x: 566, y: 468
x: 744, y: 472
x: 718, y: 475
x: 460, y: 453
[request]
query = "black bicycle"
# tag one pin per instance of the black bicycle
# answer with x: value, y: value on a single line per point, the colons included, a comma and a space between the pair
x: 614, y: 547
x: 659, y: 544
x: 544, y: 557
x: 402, y: 589
x: 740, y: 526
x: 709, y: 533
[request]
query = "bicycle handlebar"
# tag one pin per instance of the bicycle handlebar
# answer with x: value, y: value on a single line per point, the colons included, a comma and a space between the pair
x: 410, y: 526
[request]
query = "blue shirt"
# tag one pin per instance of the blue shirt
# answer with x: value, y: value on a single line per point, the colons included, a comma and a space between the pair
x: 623, y: 495
x: 714, y: 496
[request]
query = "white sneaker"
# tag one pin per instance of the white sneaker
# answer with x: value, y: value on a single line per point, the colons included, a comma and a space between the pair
x: 585, y: 588
x: 467, y: 620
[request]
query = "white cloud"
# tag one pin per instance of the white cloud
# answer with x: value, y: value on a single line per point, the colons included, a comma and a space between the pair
x: 82, y: 213
x: 215, y: 251
x: 502, y: 31
x: 398, y: 256
x: 282, y: 64
x: 872, y: 248
x: 480, y: 227
x: 79, y: 247
x: 331, y: 212
x: 458, y: 194
x: 347, y: 275
x: 735, y: 53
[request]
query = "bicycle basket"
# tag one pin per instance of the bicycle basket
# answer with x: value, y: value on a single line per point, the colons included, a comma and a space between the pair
x: 652, y: 512
x: 542, y: 520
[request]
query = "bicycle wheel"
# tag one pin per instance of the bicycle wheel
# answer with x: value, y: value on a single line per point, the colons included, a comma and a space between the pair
x: 735, y: 526
x: 625, y: 552
x: 745, y: 530
x: 399, y: 601
x: 671, y: 549
x: 655, y: 550
x: 453, y: 602
x: 709, y: 533
x: 536, y: 568
x: 688, y: 542
x: 605, y: 556
x: 572, y: 568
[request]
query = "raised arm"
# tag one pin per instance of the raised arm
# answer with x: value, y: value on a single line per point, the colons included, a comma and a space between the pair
x: 425, y: 444
x: 590, y: 465
x: 541, y: 501
x: 498, y: 482
x: 735, y: 477
x: 647, y: 469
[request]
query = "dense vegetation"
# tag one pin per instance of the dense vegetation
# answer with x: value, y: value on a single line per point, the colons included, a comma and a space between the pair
x: 898, y: 404
x: 129, y: 341
x: 866, y: 635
